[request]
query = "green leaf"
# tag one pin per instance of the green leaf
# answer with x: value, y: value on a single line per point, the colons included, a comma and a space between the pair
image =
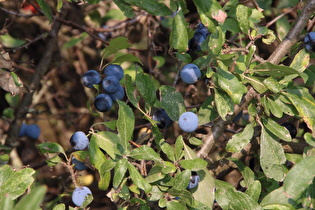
x: 33, y: 199
x: 269, y: 38
x: 242, y: 16
x: 276, y: 129
x: 301, y: 60
x: 145, y: 153
x: 274, y: 108
x: 115, y: 45
x: 179, y: 153
x: 184, y: 57
x: 299, y: 178
x: 97, y: 157
x: 167, y: 149
x: 216, y: 41
x: 14, y: 183
x: 153, y: 7
x: 240, y: 140
x: 277, y: 196
x: 229, y: 198
x: 131, y: 91
x: 50, y: 147
x: 195, y: 141
x: 53, y: 161
x: 120, y: 171
x: 271, y: 156
x: 125, y: 124
x: 138, y: 179
x: 224, y: 103
x: 146, y: 88
x: 104, y: 181
x: 74, y: 40
x: 10, y: 42
x: 269, y: 69
x: 46, y: 9
x: 283, y: 27
x: 172, y: 102
x: 182, y: 180
x: 305, y: 105
x: 179, y: 34
x: 194, y: 164
x: 272, y: 84
x: 125, y: 7
x: 183, y: 194
x: 257, y: 83
x: 231, y: 85
x: 127, y: 58
x: 211, y: 8
x: 6, y: 202
x: 207, y: 111
x: 107, y: 141
x: 174, y: 205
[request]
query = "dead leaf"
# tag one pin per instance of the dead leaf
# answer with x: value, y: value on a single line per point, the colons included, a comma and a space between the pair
x: 8, y: 84
x: 5, y: 61
x: 220, y: 17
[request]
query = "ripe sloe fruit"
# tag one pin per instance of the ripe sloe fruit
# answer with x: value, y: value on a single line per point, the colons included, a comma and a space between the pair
x: 291, y: 128
x: 118, y: 95
x: 162, y: 117
x: 110, y: 84
x: 309, y: 41
x: 79, y: 195
x: 103, y: 102
x: 114, y: 70
x: 79, y: 141
x: 190, y: 73
x: 188, y: 122
x: 91, y: 78
x: 78, y: 164
x: 31, y: 131
x: 194, y: 181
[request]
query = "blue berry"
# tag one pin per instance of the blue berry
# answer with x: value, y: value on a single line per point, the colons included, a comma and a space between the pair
x: 114, y: 70
x: 194, y: 181
x: 103, y: 102
x: 188, y: 122
x: 118, y: 95
x: 110, y: 84
x: 79, y: 141
x: 199, y: 37
x: 91, y: 78
x: 190, y: 73
x: 32, y: 131
x: 78, y: 164
x: 79, y: 195
x: 163, y: 119
x: 309, y: 41
x: 22, y: 131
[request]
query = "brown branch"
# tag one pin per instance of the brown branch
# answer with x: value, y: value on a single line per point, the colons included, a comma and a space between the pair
x: 40, y: 71
x: 293, y: 35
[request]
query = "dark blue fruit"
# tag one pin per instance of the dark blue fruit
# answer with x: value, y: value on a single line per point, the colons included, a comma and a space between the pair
x: 199, y: 37
x: 309, y: 41
x: 103, y: 102
x: 79, y: 141
x: 163, y: 119
x: 118, y: 95
x: 190, y: 73
x: 114, y: 70
x: 110, y: 84
x: 91, y: 78
x: 291, y: 128
x: 194, y: 181
x: 32, y: 131
x: 22, y: 131
x: 78, y: 164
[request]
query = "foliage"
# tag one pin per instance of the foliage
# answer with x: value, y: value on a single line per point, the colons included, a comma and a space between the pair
x: 157, y: 170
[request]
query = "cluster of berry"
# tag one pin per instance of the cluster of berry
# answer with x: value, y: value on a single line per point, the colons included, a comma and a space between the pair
x: 199, y: 37
x: 110, y: 85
